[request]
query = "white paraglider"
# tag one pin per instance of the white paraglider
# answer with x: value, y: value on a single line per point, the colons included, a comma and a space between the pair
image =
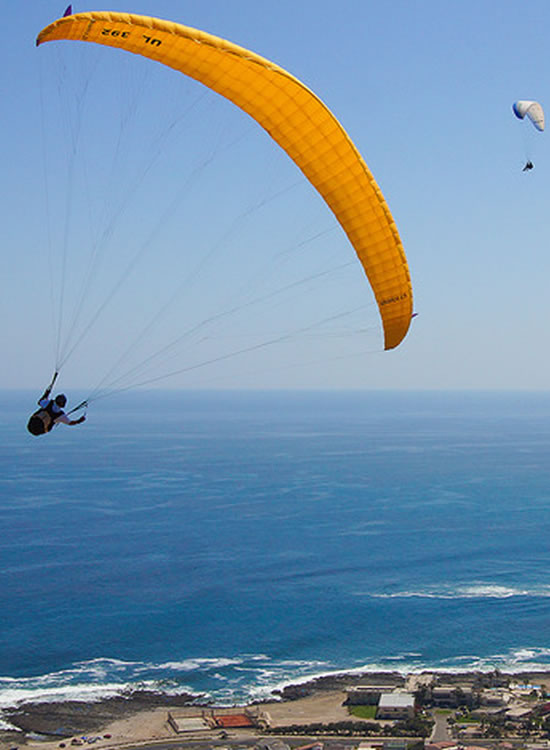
x: 535, y: 113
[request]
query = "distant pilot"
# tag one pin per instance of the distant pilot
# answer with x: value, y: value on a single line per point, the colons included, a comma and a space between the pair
x: 528, y: 166
x: 50, y: 413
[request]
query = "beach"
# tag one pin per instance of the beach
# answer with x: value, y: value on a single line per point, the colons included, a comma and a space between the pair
x: 144, y: 717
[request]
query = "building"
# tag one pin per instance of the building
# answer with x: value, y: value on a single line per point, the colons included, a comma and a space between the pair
x: 272, y: 744
x: 495, y: 697
x: 518, y: 713
x: 395, y: 706
x: 452, y: 696
x: 182, y: 723
x: 365, y: 695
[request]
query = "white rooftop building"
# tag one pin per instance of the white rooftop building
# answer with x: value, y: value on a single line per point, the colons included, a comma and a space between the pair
x: 395, y: 706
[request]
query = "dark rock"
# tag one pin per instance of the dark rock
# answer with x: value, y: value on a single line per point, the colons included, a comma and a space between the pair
x: 75, y: 717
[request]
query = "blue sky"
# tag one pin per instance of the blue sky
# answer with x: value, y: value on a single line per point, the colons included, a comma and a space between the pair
x: 217, y: 221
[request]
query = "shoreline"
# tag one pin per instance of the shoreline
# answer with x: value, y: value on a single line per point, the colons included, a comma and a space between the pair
x: 142, y: 715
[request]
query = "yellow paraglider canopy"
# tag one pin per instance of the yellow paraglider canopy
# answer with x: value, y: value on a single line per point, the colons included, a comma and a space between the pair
x: 294, y: 117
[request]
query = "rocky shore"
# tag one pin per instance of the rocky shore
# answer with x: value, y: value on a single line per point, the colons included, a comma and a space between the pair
x: 74, y: 718
x: 68, y: 718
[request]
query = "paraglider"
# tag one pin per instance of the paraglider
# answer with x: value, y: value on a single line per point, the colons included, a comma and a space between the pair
x: 535, y: 113
x: 299, y: 122
x: 51, y: 412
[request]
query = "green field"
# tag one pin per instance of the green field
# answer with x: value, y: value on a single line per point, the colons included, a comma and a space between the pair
x: 363, y: 712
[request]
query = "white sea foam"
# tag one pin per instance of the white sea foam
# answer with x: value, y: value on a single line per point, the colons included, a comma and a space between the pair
x: 478, y: 590
x: 5, y: 726
x: 92, y: 680
x: 192, y: 665
x: 239, y: 679
x: 41, y: 693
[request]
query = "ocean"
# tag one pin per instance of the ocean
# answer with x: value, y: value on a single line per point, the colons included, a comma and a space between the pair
x: 230, y: 543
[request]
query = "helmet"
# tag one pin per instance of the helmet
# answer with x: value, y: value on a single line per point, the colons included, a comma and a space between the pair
x: 61, y: 400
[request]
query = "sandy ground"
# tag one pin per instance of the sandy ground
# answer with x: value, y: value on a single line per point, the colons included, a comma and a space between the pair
x: 326, y: 706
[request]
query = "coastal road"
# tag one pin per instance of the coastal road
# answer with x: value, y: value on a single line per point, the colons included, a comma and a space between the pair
x: 212, y: 744
x: 248, y: 743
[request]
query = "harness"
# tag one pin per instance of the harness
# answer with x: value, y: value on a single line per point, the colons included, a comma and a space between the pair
x: 43, y: 420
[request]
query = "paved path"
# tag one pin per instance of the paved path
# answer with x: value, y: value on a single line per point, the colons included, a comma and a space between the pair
x: 440, y: 732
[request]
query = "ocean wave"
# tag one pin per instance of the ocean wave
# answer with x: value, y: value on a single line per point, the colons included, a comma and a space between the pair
x: 38, y: 691
x: 478, y: 590
x: 89, y: 681
x: 5, y: 726
x: 192, y: 665
x: 239, y: 679
x: 224, y: 679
